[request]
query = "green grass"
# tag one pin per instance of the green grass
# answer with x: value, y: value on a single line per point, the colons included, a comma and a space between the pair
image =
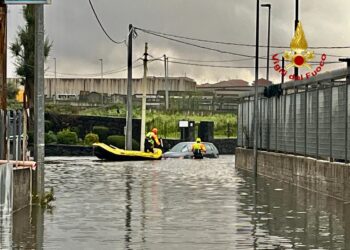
x: 165, y: 121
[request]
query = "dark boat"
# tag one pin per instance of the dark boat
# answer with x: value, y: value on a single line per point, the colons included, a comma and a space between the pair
x: 110, y: 153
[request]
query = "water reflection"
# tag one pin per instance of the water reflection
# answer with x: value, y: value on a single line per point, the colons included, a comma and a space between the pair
x: 174, y: 204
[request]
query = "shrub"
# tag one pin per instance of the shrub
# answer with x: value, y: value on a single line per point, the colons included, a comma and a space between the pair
x: 101, y: 131
x: 48, y: 125
x: 90, y: 139
x: 50, y: 137
x: 119, y: 142
x: 67, y: 137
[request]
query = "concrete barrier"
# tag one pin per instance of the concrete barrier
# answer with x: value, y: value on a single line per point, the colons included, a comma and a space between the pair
x: 330, y: 178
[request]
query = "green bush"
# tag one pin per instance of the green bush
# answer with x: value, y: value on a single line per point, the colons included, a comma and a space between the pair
x: 101, y: 131
x: 67, y: 137
x: 50, y: 137
x: 90, y: 139
x: 48, y: 125
x: 119, y: 142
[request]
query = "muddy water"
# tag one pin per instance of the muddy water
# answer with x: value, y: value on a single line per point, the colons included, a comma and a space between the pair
x: 175, y: 204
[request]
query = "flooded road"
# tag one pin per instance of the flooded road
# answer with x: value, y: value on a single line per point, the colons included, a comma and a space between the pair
x: 175, y: 204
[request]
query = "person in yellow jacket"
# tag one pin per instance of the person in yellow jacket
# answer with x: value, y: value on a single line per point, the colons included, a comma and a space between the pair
x: 152, y: 141
x: 198, y: 149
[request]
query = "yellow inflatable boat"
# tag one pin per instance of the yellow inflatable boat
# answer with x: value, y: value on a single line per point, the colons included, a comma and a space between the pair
x: 111, y: 153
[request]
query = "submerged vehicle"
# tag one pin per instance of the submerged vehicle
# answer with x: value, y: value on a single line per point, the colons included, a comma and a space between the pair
x: 111, y: 153
x: 184, y: 150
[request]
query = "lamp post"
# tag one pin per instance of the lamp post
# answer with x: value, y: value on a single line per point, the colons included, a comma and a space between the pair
x: 268, y: 40
x: 296, y: 71
x: 256, y: 115
x: 101, y: 60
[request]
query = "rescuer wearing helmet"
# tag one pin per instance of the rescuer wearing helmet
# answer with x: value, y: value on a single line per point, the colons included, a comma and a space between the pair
x: 151, y: 140
x: 198, y: 149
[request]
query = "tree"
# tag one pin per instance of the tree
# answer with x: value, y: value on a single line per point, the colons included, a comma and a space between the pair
x: 11, y: 90
x: 23, y: 50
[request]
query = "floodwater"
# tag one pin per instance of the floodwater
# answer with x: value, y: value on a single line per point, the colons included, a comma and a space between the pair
x: 175, y: 204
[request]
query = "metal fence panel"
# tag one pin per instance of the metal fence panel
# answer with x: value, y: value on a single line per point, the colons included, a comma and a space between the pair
x: 289, y: 127
x: 338, y: 119
x: 300, y: 123
x: 273, y: 124
x: 240, y: 125
x: 2, y: 134
x: 280, y: 124
x: 324, y: 122
x: 245, y: 129
x: 265, y: 124
x: 311, y: 123
x: 251, y: 124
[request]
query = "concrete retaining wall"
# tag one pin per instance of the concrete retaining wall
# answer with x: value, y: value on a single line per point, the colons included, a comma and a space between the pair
x: 330, y: 178
x: 21, y: 188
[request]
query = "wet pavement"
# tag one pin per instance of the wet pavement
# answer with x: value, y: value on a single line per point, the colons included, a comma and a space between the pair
x: 175, y: 204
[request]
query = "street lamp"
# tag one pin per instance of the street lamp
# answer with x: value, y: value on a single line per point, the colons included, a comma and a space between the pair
x: 101, y: 60
x: 268, y: 40
x: 255, y: 165
x: 296, y: 71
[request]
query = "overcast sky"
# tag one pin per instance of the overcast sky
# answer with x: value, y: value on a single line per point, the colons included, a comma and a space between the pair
x: 79, y: 43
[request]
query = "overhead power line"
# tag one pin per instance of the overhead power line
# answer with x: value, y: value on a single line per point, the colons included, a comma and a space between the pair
x: 103, y: 29
x: 235, y: 44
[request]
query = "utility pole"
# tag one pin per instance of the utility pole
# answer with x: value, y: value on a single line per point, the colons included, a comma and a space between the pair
x: 166, y: 82
x: 268, y: 41
x: 101, y: 60
x: 128, y: 135
x: 256, y: 113
x: 39, y: 102
x: 3, y: 81
x: 143, y: 110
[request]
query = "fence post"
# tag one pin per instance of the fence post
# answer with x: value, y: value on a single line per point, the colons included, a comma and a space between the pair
x: 331, y: 124
x: 276, y: 134
x: 19, y: 141
x: 295, y: 118
x: 2, y: 134
x: 305, y: 122
x: 317, y: 118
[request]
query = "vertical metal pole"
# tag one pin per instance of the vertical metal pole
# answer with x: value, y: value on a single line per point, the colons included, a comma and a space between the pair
x: 101, y: 60
x: 39, y: 102
x: 268, y: 124
x: 347, y: 111
x: 284, y: 118
x: 305, y: 118
x: 260, y: 124
x: 55, y: 85
x: 2, y: 134
x: 256, y: 112
x: 14, y: 134
x: 248, y: 127
x: 296, y: 70
x: 276, y: 127
x: 268, y: 40
x: 166, y: 82
x: 242, y: 112
x: 331, y: 124
x: 129, y: 93
x: 295, y: 119
x: 3, y: 83
x: 19, y: 151
x: 317, y: 119
x: 282, y: 80
x: 143, y: 109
